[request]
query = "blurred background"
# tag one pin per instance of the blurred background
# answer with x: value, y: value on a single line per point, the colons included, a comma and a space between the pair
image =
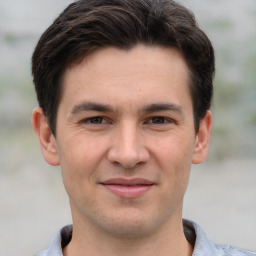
x: 222, y: 194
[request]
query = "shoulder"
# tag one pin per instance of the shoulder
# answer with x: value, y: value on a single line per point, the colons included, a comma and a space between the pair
x: 59, y: 241
x: 202, y: 246
x: 42, y: 253
x: 228, y: 250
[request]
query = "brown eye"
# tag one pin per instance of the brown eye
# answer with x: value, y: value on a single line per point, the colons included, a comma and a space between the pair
x: 158, y: 120
x: 94, y: 120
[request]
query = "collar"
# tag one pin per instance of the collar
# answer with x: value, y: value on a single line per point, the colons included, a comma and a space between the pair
x: 193, y: 232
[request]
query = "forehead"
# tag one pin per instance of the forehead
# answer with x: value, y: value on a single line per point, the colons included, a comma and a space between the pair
x: 139, y: 55
x: 154, y: 71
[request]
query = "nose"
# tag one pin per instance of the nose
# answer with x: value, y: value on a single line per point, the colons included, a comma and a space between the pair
x: 128, y: 148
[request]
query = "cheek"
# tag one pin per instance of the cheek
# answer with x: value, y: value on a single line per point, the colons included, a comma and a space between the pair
x: 81, y: 151
x: 79, y: 159
x: 174, y: 159
x: 176, y: 151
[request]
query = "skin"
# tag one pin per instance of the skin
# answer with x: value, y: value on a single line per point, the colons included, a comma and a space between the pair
x: 126, y: 114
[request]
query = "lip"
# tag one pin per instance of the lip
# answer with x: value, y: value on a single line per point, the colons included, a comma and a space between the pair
x: 128, y: 188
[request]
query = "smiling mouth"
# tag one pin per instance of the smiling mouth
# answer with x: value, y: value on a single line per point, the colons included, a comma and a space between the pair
x: 125, y: 188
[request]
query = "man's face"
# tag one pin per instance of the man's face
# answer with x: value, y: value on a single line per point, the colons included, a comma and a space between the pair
x: 126, y: 140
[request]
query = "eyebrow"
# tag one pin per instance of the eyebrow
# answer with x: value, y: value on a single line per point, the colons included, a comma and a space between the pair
x: 162, y: 107
x: 99, y: 107
x: 91, y: 106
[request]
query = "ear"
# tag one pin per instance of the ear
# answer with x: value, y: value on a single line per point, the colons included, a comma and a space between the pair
x: 202, y: 139
x: 45, y: 136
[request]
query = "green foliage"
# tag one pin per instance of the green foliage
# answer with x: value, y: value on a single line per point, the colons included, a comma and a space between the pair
x: 252, y: 119
x: 11, y: 39
x: 223, y: 24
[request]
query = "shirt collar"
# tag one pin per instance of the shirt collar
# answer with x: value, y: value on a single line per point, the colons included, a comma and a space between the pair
x: 196, y: 236
x: 193, y: 232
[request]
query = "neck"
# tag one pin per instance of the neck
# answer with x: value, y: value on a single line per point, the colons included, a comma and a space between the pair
x: 170, y: 241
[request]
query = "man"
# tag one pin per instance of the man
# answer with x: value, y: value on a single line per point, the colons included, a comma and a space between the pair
x: 124, y: 89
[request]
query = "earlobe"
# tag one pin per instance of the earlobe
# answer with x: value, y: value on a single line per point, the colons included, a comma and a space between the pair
x: 202, y: 139
x: 45, y: 136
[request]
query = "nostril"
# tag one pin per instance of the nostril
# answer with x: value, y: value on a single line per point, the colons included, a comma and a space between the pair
x: 128, y: 154
x: 116, y: 163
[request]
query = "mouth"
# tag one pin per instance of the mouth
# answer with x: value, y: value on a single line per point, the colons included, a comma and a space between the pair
x: 128, y: 188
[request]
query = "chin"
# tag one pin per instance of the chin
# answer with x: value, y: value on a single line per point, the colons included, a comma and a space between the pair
x: 130, y: 224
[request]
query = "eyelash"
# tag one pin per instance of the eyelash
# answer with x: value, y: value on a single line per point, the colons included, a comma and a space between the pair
x: 162, y: 118
x: 90, y: 119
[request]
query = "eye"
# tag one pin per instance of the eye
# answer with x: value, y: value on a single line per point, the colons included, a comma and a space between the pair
x: 94, y: 120
x: 159, y: 120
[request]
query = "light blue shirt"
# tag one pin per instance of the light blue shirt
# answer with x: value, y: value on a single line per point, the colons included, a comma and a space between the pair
x: 193, y: 232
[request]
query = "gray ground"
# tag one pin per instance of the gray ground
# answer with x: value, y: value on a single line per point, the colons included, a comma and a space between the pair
x: 222, y: 192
